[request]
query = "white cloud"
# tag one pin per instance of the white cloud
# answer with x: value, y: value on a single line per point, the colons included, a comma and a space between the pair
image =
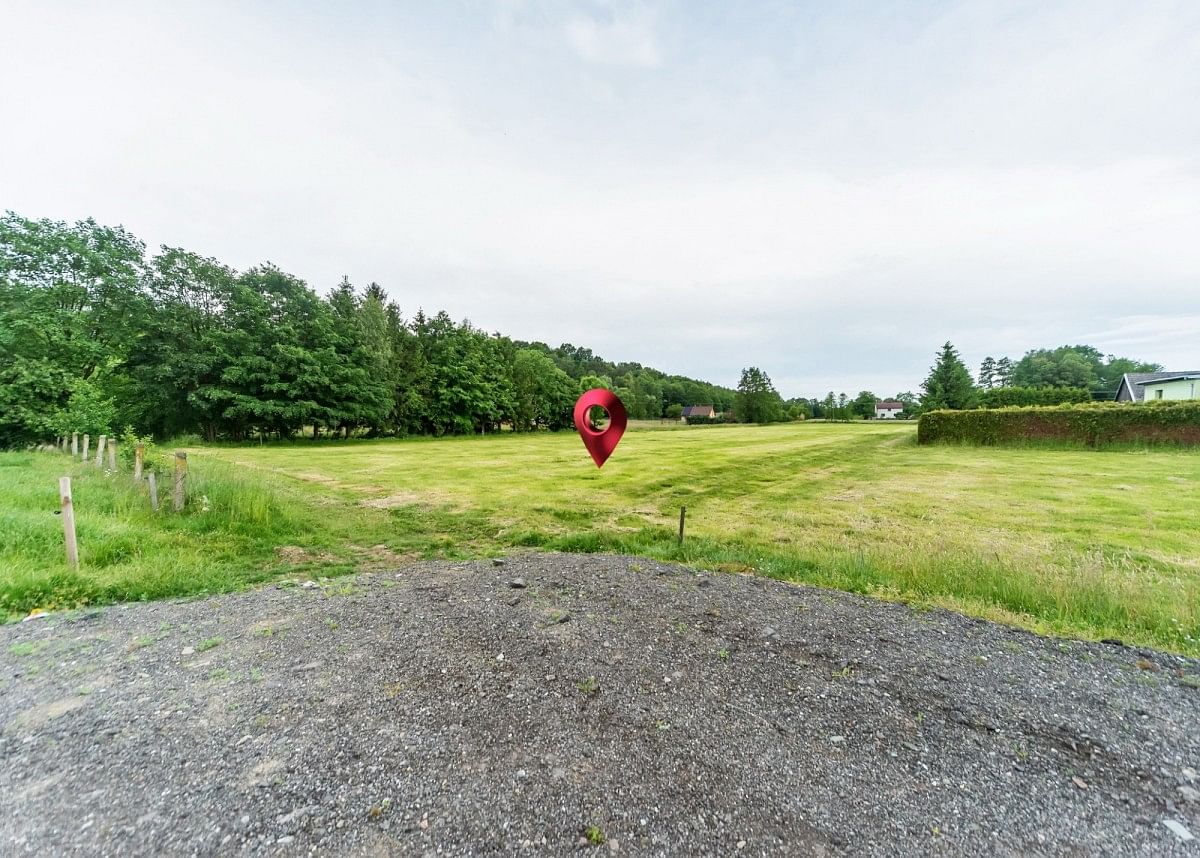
x: 626, y: 39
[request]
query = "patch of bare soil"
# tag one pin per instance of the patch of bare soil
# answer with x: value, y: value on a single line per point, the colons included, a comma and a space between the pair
x: 392, y: 501
x: 380, y: 557
x: 297, y: 556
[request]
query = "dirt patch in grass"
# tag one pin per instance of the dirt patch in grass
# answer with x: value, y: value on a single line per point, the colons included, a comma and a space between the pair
x: 393, y: 501
x: 381, y: 557
x: 297, y: 556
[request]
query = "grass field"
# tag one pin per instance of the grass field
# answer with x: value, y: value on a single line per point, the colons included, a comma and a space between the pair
x: 1086, y: 543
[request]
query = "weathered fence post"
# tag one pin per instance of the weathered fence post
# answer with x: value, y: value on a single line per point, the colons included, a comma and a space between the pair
x: 100, y: 451
x: 68, y: 517
x: 87, y: 441
x: 180, y: 479
x: 139, y: 455
x: 153, y: 491
x: 682, y: 516
x: 112, y: 456
x: 74, y: 443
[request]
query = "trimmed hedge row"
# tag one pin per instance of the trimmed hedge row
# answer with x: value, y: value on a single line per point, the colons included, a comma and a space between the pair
x: 1003, y: 397
x: 707, y: 421
x: 1093, y: 424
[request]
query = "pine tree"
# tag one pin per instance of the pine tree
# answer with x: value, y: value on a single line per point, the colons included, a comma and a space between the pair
x: 987, y: 372
x: 949, y: 384
x: 1004, y: 373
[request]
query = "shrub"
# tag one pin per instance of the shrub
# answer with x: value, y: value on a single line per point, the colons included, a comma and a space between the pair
x: 1094, y: 424
x: 154, y: 458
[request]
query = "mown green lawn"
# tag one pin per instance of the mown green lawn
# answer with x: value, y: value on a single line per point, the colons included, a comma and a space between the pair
x: 1087, y: 543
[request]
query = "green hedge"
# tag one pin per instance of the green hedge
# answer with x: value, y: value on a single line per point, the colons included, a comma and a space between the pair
x: 706, y: 421
x: 1093, y: 424
x: 1003, y: 397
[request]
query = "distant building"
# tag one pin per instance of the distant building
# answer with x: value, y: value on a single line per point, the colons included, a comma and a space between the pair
x: 699, y: 411
x: 888, y: 409
x: 1143, y: 386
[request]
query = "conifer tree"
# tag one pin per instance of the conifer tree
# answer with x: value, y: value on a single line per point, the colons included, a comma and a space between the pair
x: 987, y: 372
x: 1004, y: 372
x: 949, y: 384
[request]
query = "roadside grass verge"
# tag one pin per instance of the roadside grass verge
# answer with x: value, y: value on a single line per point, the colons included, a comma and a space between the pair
x: 239, y: 528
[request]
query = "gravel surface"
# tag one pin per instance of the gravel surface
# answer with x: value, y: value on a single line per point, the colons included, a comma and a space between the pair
x: 558, y: 704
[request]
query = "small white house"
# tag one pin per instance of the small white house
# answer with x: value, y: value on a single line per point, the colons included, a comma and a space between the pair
x: 1148, y: 386
x: 1183, y: 386
x: 888, y: 409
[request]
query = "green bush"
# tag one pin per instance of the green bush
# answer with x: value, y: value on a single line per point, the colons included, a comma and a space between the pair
x: 154, y: 458
x: 1093, y: 424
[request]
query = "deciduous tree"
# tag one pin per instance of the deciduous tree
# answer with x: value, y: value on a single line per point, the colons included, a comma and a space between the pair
x: 757, y: 400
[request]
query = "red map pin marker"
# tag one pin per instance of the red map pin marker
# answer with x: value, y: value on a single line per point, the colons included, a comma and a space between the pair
x: 600, y: 442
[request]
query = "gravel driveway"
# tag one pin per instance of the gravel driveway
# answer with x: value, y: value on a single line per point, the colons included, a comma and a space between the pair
x: 561, y: 704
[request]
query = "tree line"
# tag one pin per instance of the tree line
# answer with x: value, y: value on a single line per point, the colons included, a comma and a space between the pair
x: 1084, y: 367
x: 98, y: 335
x: 1067, y: 374
x: 1041, y: 377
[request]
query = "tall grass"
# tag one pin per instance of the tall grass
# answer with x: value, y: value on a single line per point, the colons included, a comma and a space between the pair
x: 224, y: 538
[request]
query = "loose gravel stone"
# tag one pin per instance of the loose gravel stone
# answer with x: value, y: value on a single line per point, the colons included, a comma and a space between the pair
x: 377, y: 718
x: 1178, y: 829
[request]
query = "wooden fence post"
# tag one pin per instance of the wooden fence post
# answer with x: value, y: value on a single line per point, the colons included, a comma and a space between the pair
x: 87, y: 440
x: 100, y: 451
x: 180, y: 479
x: 74, y: 443
x: 682, y: 516
x: 68, y: 517
x: 112, y: 456
x: 139, y: 455
x: 153, y: 491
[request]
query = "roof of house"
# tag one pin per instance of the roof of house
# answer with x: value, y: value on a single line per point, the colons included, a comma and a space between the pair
x: 1135, y: 381
x: 890, y: 404
x: 698, y: 411
x: 1181, y: 376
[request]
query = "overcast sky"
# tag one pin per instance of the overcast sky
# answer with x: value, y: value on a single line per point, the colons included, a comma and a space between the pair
x: 827, y: 190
